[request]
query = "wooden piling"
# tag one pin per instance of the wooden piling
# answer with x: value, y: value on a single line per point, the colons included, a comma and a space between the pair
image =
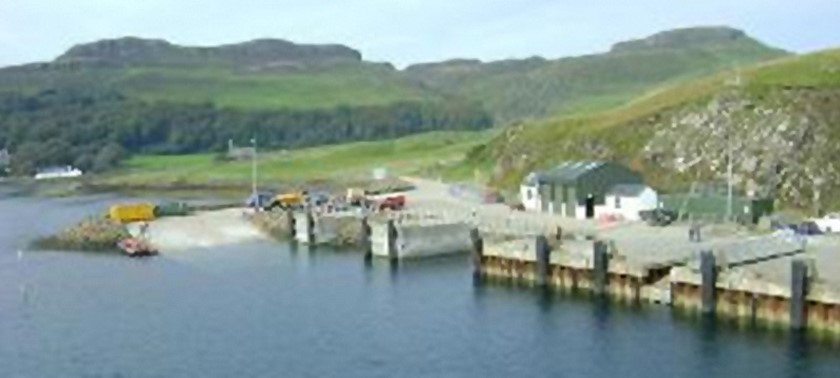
x: 600, y: 268
x: 364, y: 238
x: 392, y: 239
x: 290, y: 223
x: 798, y: 294
x: 477, y: 252
x: 543, y: 260
x: 310, y: 228
x: 708, y: 274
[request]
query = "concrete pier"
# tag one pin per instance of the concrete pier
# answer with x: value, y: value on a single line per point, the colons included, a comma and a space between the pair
x: 719, y: 281
x: 401, y: 240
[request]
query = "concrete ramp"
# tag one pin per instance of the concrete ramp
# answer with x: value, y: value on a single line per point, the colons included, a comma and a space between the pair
x: 201, y: 230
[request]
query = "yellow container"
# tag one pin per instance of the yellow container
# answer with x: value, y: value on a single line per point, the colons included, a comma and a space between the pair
x: 135, y: 212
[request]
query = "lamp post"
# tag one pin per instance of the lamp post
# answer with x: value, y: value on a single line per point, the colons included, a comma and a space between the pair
x: 254, y: 169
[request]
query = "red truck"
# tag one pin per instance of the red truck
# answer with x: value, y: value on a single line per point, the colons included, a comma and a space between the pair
x: 392, y: 203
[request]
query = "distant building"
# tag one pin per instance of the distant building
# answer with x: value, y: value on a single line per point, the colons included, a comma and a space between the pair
x: 240, y: 153
x: 57, y: 172
x: 575, y: 189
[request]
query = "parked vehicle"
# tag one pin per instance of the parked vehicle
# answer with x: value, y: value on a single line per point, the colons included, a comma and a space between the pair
x: 658, y: 217
x: 804, y: 228
x: 260, y: 200
x: 355, y: 196
x: 517, y: 207
x: 318, y: 199
x: 286, y: 201
x: 829, y: 223
x: 392, y: 203
x: 132, y: 212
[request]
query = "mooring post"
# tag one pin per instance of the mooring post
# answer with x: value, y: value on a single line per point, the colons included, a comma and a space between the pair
x: 310, y: 227
x: 364, y: 238
x: 708, y: 274
x: 392, y: 240
x: 600, y: 267
x: 477, y: 252
x: 290, y: 223
x: 543, y: 260
x: 798, y: 294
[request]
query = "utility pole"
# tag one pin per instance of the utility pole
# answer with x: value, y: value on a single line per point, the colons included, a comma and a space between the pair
x: 254, y: 167
x: 729, y: 153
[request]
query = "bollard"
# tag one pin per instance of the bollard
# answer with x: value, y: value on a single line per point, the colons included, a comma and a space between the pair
x: 310, y: 228
x: 708, y: 274
x: 543, y: 260
x: 392, y: 240
x: 600, y: 267
x: 477, y: 252
x: 798, y: 294
x: 290, y: 223
x: 364, y: 238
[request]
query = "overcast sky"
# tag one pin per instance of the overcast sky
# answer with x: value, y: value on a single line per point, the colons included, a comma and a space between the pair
x: 407, y: 31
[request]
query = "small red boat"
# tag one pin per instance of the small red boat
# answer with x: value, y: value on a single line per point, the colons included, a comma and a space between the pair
x: 134, y: 247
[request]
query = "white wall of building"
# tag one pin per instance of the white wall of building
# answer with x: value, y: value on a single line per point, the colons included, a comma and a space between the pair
x: 530, y: 198
x: 628, y: 207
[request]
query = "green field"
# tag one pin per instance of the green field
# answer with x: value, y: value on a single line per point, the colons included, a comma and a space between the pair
x: 422, y: 154
x: 349, y: 86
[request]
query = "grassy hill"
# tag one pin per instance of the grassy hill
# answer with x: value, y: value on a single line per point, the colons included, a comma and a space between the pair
x: 536, y: 87
x: 782, y: 118
x: 264, y: 74
x: 418, y: 154
x: 100, y: 102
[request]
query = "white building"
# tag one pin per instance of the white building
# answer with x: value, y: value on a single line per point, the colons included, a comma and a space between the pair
x: 627, y: 200
x: 529, y: 193
x: 57, y: 172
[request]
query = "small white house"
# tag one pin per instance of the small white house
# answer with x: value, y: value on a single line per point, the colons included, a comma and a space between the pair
x: 529, y: 193
x: 626, y: 201
x: 57, y: 172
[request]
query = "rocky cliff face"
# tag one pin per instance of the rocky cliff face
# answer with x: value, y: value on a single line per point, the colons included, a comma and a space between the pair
x: 254, y: 55
x: 782, y: 145
x: 688, y: 37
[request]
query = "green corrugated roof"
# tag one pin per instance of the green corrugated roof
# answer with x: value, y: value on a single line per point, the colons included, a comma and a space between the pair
x: 567, y: 172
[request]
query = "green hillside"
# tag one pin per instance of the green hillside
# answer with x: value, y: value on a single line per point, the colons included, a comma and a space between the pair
x: 782, y: 117
x: 416, y: 154
x: 101, y: 102
x: 265, y: 74
x: 535, y: 88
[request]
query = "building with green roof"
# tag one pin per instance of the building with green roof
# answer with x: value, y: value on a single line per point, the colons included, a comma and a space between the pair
x: 575, y: 188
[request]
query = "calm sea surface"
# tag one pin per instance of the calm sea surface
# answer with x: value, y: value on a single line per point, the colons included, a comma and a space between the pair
x: 266, y: 310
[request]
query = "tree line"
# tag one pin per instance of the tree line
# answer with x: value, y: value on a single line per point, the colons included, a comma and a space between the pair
x: 95, y: 130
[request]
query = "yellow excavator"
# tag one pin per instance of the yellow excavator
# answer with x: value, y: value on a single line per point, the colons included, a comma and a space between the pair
x: 292, y: 200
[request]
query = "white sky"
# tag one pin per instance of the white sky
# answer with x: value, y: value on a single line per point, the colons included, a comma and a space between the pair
x: 407, y: 31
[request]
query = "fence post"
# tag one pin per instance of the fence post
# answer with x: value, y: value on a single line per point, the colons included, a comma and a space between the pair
x: 708, y: 274
x: 798, y: 294
x: 600, y: 267
x: 543, y: 260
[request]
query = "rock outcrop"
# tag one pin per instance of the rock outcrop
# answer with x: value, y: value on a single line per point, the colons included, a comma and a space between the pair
x: 260, y: 54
